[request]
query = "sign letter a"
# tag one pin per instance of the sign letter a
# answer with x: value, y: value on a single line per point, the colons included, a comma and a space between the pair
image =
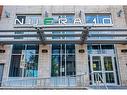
x: 77, y: 21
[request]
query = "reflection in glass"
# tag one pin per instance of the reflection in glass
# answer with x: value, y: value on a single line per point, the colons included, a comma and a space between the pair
x: 98, y: 77
x: 55, y: 70
x: 109, y: 78
x: 108, y: 63
x: 69, y: 18
x: 98, y: 19
x: 24, y: 61
x: 96, y: 63
x: 63, y: 60
x: 91, y: 19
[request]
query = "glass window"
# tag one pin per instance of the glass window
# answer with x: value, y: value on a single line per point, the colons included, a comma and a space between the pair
x: 22, y: 19
x: 110, y: 78
x: 31, y: 65
x: 57, y: 19
x: 63, y: 60
x: 17, y: 49
x: 107, y: 46
x: 15, y: 70
x: 91, y: 19
x: 32, y: 49
x: 104, y: 19
x: 98, y: 19
x: 96, y: 63
x: 96, y: 47
x: 98, y: 77
x: 55, y: 70
x: 70, y: 48
x: 24, y: 61
x: 56, y: 49
x: 29, y: 19
x: 108, y: 63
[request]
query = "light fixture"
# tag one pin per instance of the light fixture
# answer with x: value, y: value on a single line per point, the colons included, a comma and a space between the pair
x: 44, y: 51
x: 80, y: 12
x: 7, y: 14
x: 46, y: 14
x: 119, y: 13
x: 81, y: 51
x: 124, y: 50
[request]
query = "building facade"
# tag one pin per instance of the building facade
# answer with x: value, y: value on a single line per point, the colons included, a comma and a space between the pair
x: 62, y: 64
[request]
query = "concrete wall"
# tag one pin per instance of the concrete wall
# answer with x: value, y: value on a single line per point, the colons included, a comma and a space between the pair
x: 5, y: 59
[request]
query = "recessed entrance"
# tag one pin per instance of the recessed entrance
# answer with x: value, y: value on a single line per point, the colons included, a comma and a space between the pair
x: 104, y: 67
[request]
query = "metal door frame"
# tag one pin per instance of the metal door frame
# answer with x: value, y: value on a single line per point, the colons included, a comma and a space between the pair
x: 103, y: 70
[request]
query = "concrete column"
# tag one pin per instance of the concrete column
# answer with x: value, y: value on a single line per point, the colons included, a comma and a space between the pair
x: 122, y: 59
x: 6, y: 60
x: 44, y: 62
x: 82, y: 63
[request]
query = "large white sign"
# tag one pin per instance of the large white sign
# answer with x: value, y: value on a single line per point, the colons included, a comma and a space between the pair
x: 50, y: 21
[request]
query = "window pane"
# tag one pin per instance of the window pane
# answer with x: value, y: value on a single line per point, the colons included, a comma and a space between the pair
x: 30, y: 19
x: 15, y: 70
x: 55, y: 49
x: 108, y: 63
x: 107, y: 46
x: 32, y: 49
x: 17, y: 49
x: 98, y: 77
x: 34, y: 19
x: 69, y: 19
x: 110, y: 78
x: 96, y: 47
x: 70, y: 65
x: 24, y: 61
x: 55, y: 70
x: 96, y: 63
x: 22, y: 19
x: 70, y: 48
x: 98, y: 18
x: 91, y: 19
x: 104, y: 19
x: 31, y: 66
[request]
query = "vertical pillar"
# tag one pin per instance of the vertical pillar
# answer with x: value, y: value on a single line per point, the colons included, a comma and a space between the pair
x: 82, y: 63
x: 6, y: 60
x: 44, y: 63
x: 122, y: 63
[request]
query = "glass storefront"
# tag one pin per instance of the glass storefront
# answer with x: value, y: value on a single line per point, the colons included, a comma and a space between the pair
x: 24, y: 61
x: 102, y: 64
x: 63, y: 60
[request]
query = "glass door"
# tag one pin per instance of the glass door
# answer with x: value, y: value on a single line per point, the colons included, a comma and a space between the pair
x: 96, y: 67
x: 109, y: 69
x: 103, y: 69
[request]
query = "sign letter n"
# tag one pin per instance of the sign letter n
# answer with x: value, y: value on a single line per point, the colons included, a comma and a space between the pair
x: 17, y: 21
